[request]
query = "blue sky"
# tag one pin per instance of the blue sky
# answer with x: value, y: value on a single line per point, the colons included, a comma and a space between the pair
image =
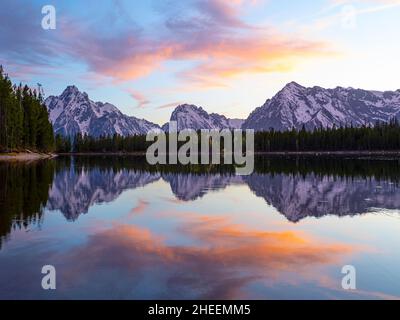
x: 226, y: 56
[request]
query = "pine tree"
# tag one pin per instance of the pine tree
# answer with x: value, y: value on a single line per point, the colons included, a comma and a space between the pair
x: 24, y: 120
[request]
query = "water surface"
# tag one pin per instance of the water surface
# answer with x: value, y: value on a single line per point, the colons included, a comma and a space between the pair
x: 116, y: 228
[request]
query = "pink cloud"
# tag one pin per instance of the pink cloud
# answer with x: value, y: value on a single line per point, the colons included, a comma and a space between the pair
x: 214, y: 39
x: 141, y: 100
x: 140, y: 208
x: 222, y: 261
x: 210, y: 35
x: 170, y: 105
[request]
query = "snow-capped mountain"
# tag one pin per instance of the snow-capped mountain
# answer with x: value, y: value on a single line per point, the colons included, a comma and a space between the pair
x: 295, y: 196
x: 298, y: 197
x: 190, y: 116
x: 73, y: 192
x: 73, y: 112
x: 295, y: 106
x: 189, y: 187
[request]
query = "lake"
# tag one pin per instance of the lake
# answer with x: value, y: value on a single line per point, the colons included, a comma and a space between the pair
x: 117, y: 228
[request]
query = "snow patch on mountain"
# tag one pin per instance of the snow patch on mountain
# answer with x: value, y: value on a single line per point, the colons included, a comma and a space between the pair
x: 296, y: 106
x: 189, y: 116
x: 73, y: 112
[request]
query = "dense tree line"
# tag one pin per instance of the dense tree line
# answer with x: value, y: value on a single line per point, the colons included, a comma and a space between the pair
x: 24, y: 120
x: 103, y: 144
x: 109, y: 144
x: 115, y: 143
x: 63, y: 144
x: 380, y: 137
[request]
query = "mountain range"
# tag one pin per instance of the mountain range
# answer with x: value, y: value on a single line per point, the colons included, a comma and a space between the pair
x: 297, y: 197
x: 294, y: 106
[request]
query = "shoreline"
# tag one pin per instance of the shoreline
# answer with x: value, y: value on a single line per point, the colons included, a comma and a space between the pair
x: 275, y: 153
x: 26, y: 156
x: 32, y: 156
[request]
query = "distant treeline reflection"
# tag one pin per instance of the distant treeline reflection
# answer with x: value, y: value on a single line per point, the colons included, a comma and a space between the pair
x: 24, y: 188
x: 380, y: 168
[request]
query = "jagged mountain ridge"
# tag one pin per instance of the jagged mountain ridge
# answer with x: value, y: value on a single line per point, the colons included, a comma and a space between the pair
x: 188, y: 116
x: 73, y: 112
x: 73, y: 192
x: 298, y: 197
x: 189, y: 187
x: 295, y: 196
x: 296, y: 106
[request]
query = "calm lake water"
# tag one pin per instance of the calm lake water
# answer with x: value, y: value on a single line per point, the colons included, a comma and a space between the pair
x: 115, y: 228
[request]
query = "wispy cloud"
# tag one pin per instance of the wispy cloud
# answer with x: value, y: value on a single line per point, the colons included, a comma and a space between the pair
x: 139, y: 209
x: 169, y: 105
x: 337, y: 11
x: 141, y: 100
x: 209, y: 34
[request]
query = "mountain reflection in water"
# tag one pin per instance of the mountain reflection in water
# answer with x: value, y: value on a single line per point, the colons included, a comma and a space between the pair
x: 203, y: 255
x: 294, y: 192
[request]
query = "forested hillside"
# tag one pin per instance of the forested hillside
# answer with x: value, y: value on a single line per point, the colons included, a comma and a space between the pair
x: 380, y: 137
x: 24, y: 120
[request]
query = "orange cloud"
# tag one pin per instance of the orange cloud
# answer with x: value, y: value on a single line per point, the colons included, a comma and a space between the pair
x: 219, y: 263
x: 224, y: 58
x: 211, y: 37
x: 246, y: 56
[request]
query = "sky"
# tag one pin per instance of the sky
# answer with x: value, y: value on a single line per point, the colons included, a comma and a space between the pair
x: 227, y: 56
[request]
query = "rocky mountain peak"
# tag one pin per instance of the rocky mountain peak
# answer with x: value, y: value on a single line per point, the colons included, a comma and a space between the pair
x: 73, y: 112
x: 189, y: 116
x: 296, y: 106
